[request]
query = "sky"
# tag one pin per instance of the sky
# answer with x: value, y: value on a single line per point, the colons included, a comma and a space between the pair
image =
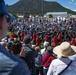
x: 70, y: 4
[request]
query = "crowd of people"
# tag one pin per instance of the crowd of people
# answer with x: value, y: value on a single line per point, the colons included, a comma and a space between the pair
x: 42, y: 48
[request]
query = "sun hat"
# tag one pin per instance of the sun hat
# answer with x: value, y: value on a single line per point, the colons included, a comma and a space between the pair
x: 65, y: 49
x: 3, y: 10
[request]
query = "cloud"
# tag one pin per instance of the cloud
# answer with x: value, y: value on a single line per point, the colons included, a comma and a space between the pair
x: 70, y: 2
x: 74, y: 3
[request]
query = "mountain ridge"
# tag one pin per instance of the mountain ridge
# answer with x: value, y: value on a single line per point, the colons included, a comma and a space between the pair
x: 35, y: 7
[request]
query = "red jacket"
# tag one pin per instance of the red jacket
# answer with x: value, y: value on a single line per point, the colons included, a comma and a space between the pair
x: 34, y: 37
x: 55, y: 42
x: 72, y: 42
x: 37, y: 41
x: 46, y: 38
x: 75, y: 40
x: 12, y: 35
x: 47, y: 59
x: 22, y: 36
x: 60, y: 37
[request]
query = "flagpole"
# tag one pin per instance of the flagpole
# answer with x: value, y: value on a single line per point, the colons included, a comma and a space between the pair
x: 42, y: 11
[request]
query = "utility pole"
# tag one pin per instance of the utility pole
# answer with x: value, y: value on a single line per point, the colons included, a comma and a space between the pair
x: 42, y: 11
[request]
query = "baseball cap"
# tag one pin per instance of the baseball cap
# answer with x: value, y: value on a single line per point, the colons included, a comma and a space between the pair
x: 3, y: 10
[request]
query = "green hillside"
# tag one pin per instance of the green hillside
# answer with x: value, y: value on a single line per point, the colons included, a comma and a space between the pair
x: 35, y: 7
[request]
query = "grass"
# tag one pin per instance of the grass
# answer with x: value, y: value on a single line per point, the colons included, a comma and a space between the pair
x: 8, y: 33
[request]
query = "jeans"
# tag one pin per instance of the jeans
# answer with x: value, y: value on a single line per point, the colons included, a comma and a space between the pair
x: 45, y: 70
x: 39, y: 70
x: 33, y: 70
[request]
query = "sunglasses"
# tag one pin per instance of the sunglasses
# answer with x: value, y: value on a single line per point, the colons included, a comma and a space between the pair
x: 3, y: 11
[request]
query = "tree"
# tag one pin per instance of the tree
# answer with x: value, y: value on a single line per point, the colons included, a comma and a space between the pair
x: 50, y: 16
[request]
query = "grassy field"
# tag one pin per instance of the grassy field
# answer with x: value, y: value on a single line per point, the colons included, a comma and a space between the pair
x: 8, y: 33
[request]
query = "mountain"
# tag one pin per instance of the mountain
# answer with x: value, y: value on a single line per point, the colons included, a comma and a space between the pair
x: 35, y: 7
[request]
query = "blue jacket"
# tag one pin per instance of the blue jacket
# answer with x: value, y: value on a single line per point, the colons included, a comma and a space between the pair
x: 11, y: 65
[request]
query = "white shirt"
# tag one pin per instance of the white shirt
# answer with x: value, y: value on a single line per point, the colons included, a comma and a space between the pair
x: 43, y: 51
x: 58, y: 65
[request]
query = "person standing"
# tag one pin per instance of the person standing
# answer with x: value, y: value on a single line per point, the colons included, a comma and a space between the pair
x: 9, y: 64
x: 47, y: 59
x: 30, y: 54
x: 63, y: 65
x: 43, y: 51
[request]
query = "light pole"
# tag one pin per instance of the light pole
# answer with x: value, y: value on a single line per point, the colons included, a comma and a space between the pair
x: 42, y: 11
x: 42, y: 7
